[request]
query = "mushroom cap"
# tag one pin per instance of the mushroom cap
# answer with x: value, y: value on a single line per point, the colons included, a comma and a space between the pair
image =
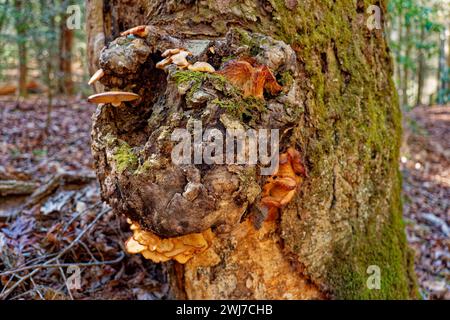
x: 202, y: 67
x: 113, y: 97
x: 163, y: 63
x: 175, y: 56
x: 170, y: 52
x: 140, y: 31
x: 180, y: 58
x: 96, y: 76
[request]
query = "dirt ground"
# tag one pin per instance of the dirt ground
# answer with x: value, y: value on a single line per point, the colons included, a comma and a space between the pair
x: 63, y: 229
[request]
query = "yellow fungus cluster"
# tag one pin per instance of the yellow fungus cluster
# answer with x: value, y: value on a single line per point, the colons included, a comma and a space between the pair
x: 180, y: 249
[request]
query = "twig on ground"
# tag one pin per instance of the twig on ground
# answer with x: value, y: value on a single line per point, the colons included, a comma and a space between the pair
x: 51, y: 261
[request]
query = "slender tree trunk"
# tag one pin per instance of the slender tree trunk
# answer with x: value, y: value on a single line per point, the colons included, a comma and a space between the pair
x: 442, y: 64
x: 398, y: 72
x: 65, y: 83
x: 339, y: 108
x: 65, y: 58
x: 50, y: 74
x: 21, y: 28
x: 421, y: 67
x: 406, y: 67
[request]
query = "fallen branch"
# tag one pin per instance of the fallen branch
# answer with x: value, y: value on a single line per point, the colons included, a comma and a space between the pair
x: 64, y: 265
x: 16, y: 188
x: 53, y: 184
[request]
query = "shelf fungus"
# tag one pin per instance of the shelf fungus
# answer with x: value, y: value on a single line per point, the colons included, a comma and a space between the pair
x: 281, y: 187
x: 116, y: 98
x: 251, y: 77
x: 140, y: 31
x: 96, y: 76
x: 180, y: 249
x: 177, y: 57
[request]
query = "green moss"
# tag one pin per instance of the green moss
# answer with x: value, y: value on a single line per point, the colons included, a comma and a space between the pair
x: 249, y: 41
x: 195, y: 79
x: 287, y: 79
x: 386, y: 249
x: 144, y: 167
x: 124, y: 158
x: 244, y: 109
x: 110, y: 140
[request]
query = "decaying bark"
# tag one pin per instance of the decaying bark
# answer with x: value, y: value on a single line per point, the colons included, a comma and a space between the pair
x: 337, y: 107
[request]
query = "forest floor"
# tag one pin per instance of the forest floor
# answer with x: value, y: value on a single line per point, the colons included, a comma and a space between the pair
x: 425, y: 165
x: 59, y: 235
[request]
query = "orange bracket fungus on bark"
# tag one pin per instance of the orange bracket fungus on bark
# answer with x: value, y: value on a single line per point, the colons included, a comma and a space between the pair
x: 252, y: 78
x: 113, y: 97
x: 180, y: 249
x: 281, y: 187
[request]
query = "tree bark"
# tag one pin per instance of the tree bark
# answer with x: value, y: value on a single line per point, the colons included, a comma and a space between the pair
x: 65, y: 58
x: 338, y: 108
x: 406, y: 67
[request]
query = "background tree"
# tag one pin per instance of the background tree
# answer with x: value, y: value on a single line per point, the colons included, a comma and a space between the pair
x: 414, y: 34
x: 21, y: 15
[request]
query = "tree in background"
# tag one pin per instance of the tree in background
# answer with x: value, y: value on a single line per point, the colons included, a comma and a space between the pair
x: 414, y: 31
x: 21, y: 22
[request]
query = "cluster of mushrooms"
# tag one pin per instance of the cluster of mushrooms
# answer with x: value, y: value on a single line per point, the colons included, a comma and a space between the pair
x: 180, y: 249
x: 176, y: 56
x: 279, y: 189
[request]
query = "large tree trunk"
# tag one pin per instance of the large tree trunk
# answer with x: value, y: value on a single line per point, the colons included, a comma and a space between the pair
x: 339, y: 108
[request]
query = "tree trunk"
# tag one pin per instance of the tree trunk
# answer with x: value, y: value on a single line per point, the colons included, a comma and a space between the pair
x: 65, y: 58
x: 406, y: 67
x: 442, y: 70
x: 21, y: 27
x: 398, y: 65
x: 338, y: 108
x: 421, y: 67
